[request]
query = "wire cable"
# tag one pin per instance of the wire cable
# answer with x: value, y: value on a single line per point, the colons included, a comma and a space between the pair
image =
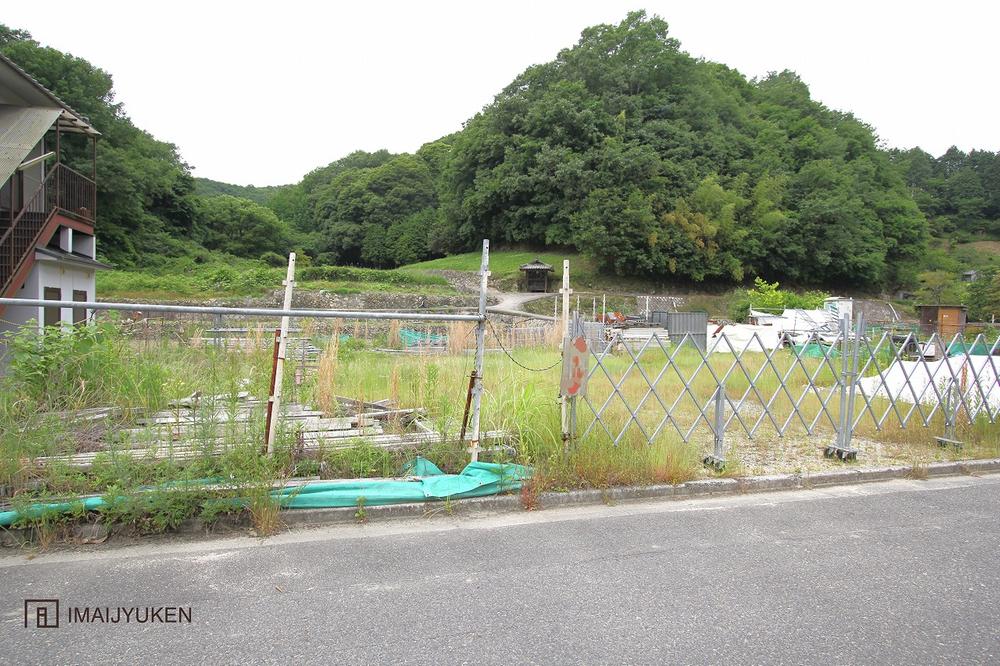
x: 516, y: 362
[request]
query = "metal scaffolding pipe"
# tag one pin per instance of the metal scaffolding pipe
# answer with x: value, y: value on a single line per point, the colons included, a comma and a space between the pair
x: 258, y: 312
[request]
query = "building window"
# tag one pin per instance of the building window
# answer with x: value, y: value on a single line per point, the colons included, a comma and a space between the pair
x: 79, y: 314
x: 53, y: 315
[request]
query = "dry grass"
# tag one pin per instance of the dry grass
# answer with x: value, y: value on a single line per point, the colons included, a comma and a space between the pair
x: 394, y: 341
x: 530, y: 491
x: 918, y: 470
x: 326, y: 375
x: 459, y: 336
x: 264, y: 513
x: 554, y: 335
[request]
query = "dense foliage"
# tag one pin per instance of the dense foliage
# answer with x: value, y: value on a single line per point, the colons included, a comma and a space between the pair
x: 647, y: 160
x: 769, y: 297
x: 146, y: 203
x: 983, y: 298
x: 207, y: 187
x: 959, y: 192
x: 240, y: 227
x: 625, y: 148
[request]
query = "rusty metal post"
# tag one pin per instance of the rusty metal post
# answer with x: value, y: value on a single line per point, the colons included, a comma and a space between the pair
x: 468, y: 404
x: 270, y: 393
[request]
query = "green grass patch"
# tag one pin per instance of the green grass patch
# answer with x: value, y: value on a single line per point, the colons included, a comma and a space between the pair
x: 585, y: 276
x: 185, y: 279
x: 505, y: 266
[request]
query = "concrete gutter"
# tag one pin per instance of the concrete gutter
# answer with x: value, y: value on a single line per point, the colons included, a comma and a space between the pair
x: 691, y: 489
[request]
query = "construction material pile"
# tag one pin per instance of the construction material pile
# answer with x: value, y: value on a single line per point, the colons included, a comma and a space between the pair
x: 211, y: 425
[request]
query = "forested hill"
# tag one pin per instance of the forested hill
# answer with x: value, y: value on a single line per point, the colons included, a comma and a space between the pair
x: 207, y: 187
x: 624, y: 147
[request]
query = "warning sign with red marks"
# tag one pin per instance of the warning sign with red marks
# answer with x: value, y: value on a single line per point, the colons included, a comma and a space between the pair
x: 574, y: 370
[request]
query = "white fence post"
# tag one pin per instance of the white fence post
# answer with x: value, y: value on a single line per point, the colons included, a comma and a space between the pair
x: 274, y: 402
x: 477, y: 387
x: 565, y: 291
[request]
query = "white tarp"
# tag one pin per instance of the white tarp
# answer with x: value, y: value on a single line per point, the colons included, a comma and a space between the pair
x: 967, y: 371
x: 741, y: 336
x: 800, y: 325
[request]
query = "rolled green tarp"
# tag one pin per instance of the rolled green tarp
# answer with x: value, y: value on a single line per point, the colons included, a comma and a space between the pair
x: 478, y: 479
x: 8, y: 518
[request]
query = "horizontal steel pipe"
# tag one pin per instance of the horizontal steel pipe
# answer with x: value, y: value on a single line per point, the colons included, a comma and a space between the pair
x: 257, y: 312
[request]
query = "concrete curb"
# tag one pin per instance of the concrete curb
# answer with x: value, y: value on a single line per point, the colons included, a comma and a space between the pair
x: 90, y: 533
x: 691, y: 489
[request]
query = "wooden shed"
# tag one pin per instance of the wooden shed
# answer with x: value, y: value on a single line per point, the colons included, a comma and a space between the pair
x: 946, y: 320
x: 536, y: 275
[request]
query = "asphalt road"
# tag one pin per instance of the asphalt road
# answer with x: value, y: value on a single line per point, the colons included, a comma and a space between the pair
x: 899, y: 572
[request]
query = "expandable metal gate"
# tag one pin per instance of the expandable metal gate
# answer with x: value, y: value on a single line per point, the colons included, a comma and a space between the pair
x: 953, y: 385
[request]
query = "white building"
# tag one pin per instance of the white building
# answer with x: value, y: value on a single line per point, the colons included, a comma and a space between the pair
x: 47, y: 208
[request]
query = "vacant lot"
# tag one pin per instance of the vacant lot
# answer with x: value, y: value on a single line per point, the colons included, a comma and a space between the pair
x: 131, y: 375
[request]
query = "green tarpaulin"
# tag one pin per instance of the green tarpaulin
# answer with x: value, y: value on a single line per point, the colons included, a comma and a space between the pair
x: 413, y: 338
x: 427, y: 483
x: 958, y: 348
x: 815, y: 350
x: 476, y: 480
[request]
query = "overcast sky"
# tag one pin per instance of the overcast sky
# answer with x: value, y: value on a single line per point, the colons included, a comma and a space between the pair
x: 263, y: 92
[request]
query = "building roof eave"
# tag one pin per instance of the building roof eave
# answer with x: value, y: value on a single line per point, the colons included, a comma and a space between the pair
x: 52, y: 254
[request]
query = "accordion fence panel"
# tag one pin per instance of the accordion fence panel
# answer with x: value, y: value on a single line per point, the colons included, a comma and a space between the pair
x: 827, y: 389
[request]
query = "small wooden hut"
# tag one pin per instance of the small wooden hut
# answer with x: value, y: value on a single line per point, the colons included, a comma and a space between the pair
x: 947, y: 320
x: 536, y: 275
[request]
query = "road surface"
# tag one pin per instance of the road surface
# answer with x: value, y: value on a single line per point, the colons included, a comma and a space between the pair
x: 898, y: 572
x: 512, y: 303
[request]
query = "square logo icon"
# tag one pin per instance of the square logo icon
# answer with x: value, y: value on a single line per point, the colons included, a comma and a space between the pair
x: 41, y: 613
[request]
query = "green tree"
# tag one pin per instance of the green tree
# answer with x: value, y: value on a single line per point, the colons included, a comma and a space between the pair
x: 241, y: 227
x: 984, y: 297
x: 145, y: 192
x: 941, y: 287
x: 705, y: 175
x: 360, y: 213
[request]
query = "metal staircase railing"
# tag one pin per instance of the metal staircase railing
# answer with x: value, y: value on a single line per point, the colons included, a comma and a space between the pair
x: 63, y: 189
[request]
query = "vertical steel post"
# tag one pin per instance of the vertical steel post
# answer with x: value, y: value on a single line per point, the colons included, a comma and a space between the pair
x: 852, y: 388
x: 279, y: 370
x: 477, y: 389
x: 58, y: 165
x: 604, y: 308
x: 949, y: 410
x: 217, y: 333
x: 849, y: 358
x: 577, y: 329
x: 720, y: 423
x: 845, y: 351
